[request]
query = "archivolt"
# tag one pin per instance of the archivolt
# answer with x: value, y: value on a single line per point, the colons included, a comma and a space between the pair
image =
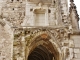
x: 46, y: 41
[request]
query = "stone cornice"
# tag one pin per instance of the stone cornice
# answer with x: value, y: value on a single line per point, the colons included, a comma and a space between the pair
x: 43, y: 1
x: 35, y: 27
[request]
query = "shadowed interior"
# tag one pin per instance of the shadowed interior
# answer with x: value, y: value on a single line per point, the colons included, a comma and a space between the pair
x: 40, y: 53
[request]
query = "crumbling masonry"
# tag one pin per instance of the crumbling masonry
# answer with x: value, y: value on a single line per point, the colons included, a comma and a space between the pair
x: 39, y: 30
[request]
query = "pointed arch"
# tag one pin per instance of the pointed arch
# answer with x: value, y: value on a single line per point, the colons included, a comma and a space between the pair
x: 47, y: 41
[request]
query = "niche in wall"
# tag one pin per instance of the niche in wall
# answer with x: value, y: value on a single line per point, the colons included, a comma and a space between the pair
x: 39, y: 16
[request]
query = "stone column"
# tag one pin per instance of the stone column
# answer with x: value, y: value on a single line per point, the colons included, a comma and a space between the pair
x: 46, y: 17
x: 64, y: 53
x: 23, y: 48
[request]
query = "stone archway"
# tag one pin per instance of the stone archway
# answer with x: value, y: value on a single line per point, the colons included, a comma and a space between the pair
x: 40, y: 53
x: 43, y: 43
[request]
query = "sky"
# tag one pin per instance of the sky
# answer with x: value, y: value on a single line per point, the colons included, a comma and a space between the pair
x: 77, y: 3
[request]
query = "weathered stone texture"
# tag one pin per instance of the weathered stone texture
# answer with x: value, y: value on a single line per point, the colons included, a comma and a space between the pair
x: 5, y: 43
x: 76, y: 39
x: 47, y: 25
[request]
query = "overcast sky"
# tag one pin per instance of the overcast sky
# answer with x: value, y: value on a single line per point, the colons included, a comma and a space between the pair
x: 77, y: 2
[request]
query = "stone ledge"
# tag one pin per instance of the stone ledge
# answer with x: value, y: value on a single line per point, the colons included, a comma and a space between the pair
x: 76, y: 32
x: 37, y: 1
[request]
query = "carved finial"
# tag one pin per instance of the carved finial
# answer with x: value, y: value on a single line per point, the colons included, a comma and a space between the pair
x: 40, y: 4
x: 72, y: 5
x: 71, y: 0
x: 74, y: 10
x: 52, y: 4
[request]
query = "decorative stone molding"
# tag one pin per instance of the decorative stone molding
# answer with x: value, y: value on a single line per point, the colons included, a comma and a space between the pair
x: 58, y: 35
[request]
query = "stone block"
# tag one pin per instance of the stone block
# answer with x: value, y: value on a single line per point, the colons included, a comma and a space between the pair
x: 78, y: 55
x: 76, y: 50
x: 77, y: 45
x: 76, y: 39
x: 0, y: 58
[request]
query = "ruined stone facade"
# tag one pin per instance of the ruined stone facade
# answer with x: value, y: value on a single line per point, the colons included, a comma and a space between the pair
x: 39, y: 30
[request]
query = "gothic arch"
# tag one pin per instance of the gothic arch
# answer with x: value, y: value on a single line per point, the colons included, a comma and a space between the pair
x: 47, y: 42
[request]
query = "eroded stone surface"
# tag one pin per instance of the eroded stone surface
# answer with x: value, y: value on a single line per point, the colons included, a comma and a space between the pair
x: 25, y: 25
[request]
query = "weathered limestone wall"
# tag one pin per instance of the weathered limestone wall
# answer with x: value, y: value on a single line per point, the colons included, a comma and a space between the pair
x: 64, y: 10
x: 14, y: 11
x: 6, y: 42
x: 2, y: 3
x: 50, y: 15
x: 76, y: 39
x: 22, y: 13
x: 55, y: 13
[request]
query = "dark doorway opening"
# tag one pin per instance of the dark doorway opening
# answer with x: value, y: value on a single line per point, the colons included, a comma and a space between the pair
x: 41, y: 53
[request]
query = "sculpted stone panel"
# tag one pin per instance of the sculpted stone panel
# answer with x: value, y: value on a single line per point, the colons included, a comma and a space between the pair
x: 24, y: 36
